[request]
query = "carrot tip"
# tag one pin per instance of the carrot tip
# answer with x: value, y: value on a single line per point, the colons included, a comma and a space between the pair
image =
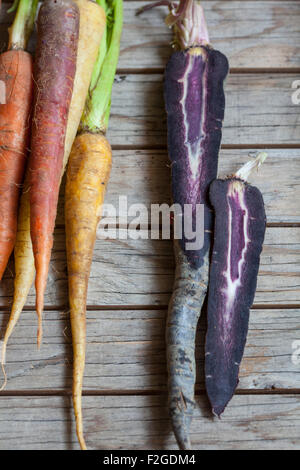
x: 181, y: 421
x: 5, y: 378
x: 183, y: 440
x: 82, y: 442
x: 40, y: 330
x: 39, y: 338
x: 3, y: 354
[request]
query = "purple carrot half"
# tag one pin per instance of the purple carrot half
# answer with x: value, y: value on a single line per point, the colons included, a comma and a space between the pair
x: 194, y: 99
x: 239, y: 231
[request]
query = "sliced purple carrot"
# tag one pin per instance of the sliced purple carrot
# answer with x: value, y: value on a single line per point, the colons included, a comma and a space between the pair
x: 194, y: 99
x: 239, y: 231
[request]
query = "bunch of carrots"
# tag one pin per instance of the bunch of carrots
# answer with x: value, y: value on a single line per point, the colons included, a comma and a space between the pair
x: 58, y: 107
x: 56, y: 113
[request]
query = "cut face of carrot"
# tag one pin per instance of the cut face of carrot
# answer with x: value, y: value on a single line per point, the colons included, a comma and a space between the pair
x: 195, y: 104
x: 16, y: 75
x: 240, y: 223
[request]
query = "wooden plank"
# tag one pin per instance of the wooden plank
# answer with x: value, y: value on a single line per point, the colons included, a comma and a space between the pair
x: 143, y: 176
x: 141, y: 422
x: 259, y: 110
x: 140, y: 272
x: 251, y: 35
x: 126, y: 351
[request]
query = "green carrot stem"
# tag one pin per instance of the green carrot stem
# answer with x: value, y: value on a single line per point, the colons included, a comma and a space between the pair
x: 97, y: 108
x: 21, y: 29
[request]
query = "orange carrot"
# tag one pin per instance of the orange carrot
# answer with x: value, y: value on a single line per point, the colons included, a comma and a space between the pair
x: 16, y: 88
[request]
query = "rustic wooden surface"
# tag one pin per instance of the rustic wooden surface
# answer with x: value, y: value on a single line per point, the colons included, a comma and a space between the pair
x: 140, y: 272
x: 131, y: 280
x: 129, y: 352
x: 141, y: 422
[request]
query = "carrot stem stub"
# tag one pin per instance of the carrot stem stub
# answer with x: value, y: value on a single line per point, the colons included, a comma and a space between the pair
x: 22, y: 26
x: 55, y: 66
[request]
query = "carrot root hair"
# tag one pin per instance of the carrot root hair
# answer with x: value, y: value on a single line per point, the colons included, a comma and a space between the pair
x: 78, y: 414
x: 40, y: 328
x: 3, y: 355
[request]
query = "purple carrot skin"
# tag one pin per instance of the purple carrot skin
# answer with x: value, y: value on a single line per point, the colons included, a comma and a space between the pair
x: 240, y: 223
x: 55, y: 65
x: 194, y: 99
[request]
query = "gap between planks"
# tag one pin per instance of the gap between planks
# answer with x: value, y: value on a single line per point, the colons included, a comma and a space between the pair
x: 105, y: 393
x: 232, y: 71
x: 89, y: 308
x: 265, y: 146
x: 145, y: 227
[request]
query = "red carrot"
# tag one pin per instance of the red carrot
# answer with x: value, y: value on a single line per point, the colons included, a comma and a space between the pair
x: 57, y: 26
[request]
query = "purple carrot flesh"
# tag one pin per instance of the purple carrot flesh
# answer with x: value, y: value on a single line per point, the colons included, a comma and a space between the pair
x: 194, y: 99
x: 239, y: 231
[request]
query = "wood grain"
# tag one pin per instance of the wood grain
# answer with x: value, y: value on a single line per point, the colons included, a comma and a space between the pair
x: 126, y: 351
x: 137, y: 422
x: 259, y: 110
x: 140, y: 272
x: 143, y: 176
x: 250, y: 33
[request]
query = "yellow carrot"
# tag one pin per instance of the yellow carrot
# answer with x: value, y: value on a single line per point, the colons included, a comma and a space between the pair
x: 91, y: 28
x: 87, y: 175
